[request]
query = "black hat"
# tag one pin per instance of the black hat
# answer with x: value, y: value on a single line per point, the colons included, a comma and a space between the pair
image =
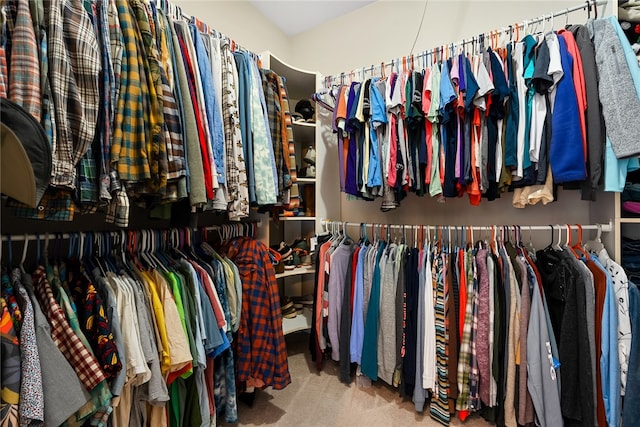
x: 305, y: 108
x: 26, y: 154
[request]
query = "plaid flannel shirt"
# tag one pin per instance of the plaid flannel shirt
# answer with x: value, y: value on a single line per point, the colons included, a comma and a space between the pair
x: 87, y: 187
x: 465, y: 356
x: 80, y: 358
x: 74, y: 67
x: 156, y: 147
x: 290, y: 147
x: 3, y: 73
x: 270, y: 88
x: 129, y: 147
x: 172, y: 120
x: 237, y: 188
x: 261, y: 320
x: 118, y: 209
x: 55, y: 205
x: 101, y: 20
x: 24, y: 74
x: 116, y: 42
x: 10, y: 12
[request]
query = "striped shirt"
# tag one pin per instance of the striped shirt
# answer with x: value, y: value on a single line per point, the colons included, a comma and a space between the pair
x: 439, y: 409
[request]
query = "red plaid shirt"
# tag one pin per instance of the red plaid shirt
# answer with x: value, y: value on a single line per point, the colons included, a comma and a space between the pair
x: 260, y: 348
x: 86, y: 366
x: 24, y: 77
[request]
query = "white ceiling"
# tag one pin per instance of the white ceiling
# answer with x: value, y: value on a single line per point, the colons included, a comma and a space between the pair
x: 294, y: 17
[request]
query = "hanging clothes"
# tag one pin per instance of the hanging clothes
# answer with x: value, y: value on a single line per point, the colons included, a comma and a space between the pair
x: 486, y: 328
x: 178, y: 112
x: 172, y: 365
x: 517, y: 113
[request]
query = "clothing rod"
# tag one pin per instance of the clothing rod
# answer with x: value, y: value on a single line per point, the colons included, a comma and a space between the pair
x: 176, y: 12
x: 65, y: 236
x: 605, y: 228
x: 487, y: 35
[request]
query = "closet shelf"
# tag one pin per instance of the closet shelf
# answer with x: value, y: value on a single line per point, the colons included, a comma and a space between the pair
x: 297, y: 218
x: 296, y: 272
x: 629, y: 220
x: 306, y: 180
x: 299, y: 323
x: 305, y: 124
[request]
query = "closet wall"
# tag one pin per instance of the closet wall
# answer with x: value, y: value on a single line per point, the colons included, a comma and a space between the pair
x: 242, y: 22
x: 386, y: 29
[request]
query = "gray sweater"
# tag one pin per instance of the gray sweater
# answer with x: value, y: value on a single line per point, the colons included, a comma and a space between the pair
x: 618, y: 96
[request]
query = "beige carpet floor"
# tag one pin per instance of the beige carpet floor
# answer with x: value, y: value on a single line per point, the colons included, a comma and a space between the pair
x: 319, y: 399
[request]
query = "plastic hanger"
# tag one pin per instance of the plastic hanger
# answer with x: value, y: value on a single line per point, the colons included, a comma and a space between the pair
x: 578, y: 246
x: 556, y: 246
x: 569, y: 241
x: 24, y: 254
x: 492, y: 244
x: 595, y: 245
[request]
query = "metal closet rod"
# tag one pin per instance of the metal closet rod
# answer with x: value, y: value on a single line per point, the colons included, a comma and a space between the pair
x: 488, y: 35
x: 54, y: 235
x: 606, y: 228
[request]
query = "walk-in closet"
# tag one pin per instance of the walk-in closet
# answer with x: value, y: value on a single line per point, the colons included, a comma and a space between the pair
x: 319, y: 213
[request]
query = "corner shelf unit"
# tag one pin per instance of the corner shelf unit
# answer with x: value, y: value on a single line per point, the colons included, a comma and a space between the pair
x: 300, y: 85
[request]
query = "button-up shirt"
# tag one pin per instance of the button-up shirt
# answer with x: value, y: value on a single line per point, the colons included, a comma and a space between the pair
x: 86, y: 366
x: 73, y: 72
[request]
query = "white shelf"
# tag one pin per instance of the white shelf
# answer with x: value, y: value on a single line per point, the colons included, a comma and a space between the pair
x: 299, y: 323
x: 297, y: 272
x: 629, y: 220
x: 305, y: 124
x: 306, y: 180
x: 297, y: 218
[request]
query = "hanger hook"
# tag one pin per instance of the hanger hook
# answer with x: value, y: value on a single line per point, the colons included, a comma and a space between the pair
x: 24, y: 251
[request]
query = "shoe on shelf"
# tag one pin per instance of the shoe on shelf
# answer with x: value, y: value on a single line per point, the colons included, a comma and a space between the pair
x: 304, y: 299
x: 290, y: 313
x: 279, y: 267
x: 289, y: 263
x: 301, y: 246
x: 275, y: 256
x: 307, y: 261
x: 297, y: 262
x: 310, y: 155
x: 310, y: 171
x: 288, y: 303
x: 283, y: 249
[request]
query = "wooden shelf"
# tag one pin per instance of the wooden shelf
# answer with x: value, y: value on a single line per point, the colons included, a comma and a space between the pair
x: 297, y: 218
x: 297, y: 272
x: 306, y: 180
x: 301, y: 322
